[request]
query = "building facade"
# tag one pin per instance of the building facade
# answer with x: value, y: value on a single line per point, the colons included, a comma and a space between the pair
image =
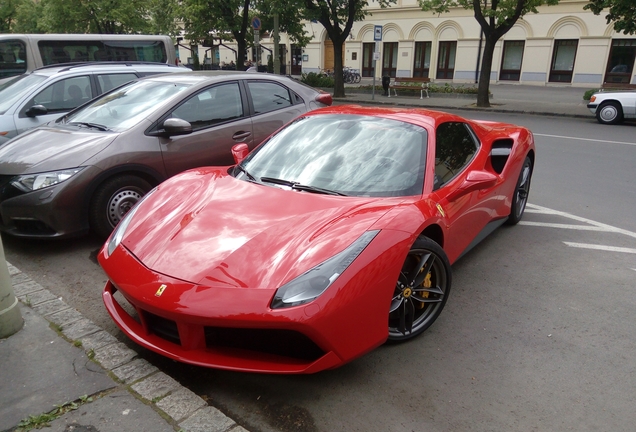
x: 560, y: 45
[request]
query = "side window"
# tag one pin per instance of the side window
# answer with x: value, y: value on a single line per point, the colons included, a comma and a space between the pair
x: 268, y: 96
x: 64, y: 95
x: 455, y: 147
x: 108, y: 82
x: 211, y: 106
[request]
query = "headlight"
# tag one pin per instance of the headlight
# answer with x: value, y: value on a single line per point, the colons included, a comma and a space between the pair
x: 314, y: 282
x: 33, y: 182
x: 122, y: 226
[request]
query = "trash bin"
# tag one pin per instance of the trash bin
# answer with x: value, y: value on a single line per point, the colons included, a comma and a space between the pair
x: 385, y: 84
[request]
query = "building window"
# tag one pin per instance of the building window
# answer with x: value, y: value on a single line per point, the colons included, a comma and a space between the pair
x: 422, y: 62
x: 389, y: 59
x: 446, y: 60
x: 367, y: 59
x: 511, y: 60
x: 621, y: 61
x: 563, y: 60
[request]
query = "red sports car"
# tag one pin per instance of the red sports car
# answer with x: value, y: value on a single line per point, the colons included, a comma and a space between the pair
x: 335, y: 234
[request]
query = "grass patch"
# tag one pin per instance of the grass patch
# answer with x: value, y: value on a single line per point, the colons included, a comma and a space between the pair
x: 588, y: 94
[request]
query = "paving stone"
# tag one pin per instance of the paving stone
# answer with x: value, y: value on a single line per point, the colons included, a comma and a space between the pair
x: 50, y: 307
x: 79, y: 328
x: 65, y: 317
x: 114, y: 355
x: 135, y: 370
x: 156, y: 386
x: 19, y: 278
x: 208, y: 419
x: 37, y: 297
x: 95, y: 341
x: 181, y: 403
x: 13, y: 270
x: 26, y: 288
x: 238, y: 429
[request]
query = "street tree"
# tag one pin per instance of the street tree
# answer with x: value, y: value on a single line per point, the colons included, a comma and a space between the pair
x: 337, y: 17
x: 7, y: 15
x: 621, y: 12
x: 495, y: 20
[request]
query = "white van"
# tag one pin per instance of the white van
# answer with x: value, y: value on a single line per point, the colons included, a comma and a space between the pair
x: 21, y: 53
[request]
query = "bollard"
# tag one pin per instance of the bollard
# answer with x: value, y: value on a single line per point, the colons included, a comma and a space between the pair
x: 10, y: 316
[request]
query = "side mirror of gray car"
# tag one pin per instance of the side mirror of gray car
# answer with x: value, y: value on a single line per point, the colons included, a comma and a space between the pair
x: 36, y: 110
x: 176, y: 126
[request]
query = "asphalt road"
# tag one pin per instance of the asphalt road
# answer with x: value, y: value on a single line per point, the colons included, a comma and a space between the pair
x: 537, y: 333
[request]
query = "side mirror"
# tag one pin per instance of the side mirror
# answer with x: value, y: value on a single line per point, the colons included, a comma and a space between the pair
x: 475, y: 180
x: 240, y: 152
x: 36, y: 110
x: 176, y: 126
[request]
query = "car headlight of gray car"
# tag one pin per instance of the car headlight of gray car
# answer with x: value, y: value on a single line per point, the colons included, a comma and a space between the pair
x: 33, y: 182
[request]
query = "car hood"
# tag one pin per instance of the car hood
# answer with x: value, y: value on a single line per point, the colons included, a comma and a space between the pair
x: 229, y: 233
x: 49, y: 148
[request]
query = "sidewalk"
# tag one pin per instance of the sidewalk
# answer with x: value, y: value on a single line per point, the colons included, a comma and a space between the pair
x: 551, y: 101
x: 60, y: 358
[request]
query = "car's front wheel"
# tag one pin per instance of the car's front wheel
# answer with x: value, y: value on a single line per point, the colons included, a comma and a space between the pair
x: 520, y: 196
x: 610, y: 113
x: 421, y: 290
x: 113, y: 200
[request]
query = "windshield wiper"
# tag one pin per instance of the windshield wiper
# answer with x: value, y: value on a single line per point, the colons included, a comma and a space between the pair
x: 91, y: 125
x: 249, y: 176
x: 301, y: 187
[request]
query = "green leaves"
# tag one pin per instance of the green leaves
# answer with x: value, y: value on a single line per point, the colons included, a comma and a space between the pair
x: 622, y: 12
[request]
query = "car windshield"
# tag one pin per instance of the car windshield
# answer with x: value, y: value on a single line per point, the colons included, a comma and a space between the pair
x: 348, y: 154
x: 126, y: 106
x: 13, y: 90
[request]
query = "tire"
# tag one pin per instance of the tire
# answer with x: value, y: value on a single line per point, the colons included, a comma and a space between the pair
x: 421, y: 290
x: 357, y: 79
x: 112, y: 200
x: 609, y: 113
x: 520, y: 194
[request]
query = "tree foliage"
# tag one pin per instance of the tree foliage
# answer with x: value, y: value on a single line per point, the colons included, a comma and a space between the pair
x: 495, y: 18
x: 337, y: 17
x: 621, y: 12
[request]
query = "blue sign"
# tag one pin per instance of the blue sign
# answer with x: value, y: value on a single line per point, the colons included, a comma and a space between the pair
x: 377, y: 33
x: 256, y: 23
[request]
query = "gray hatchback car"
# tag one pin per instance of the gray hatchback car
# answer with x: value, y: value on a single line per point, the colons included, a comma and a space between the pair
x: 34, y: 98
x: 88, y: 168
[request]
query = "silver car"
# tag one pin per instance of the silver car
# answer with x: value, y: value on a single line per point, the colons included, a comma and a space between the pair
x: 32, y: 99
x: 612, y: 107
x: 88, y: 168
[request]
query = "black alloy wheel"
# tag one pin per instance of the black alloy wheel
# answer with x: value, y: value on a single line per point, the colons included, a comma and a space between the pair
x: 520, y: 195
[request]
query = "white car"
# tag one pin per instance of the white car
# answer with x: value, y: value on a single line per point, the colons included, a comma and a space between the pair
x: 612, y: 107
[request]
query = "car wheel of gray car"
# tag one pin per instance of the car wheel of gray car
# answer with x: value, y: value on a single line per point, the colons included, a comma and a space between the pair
x: 421, y: 290
x: 520, y: 195
x: 610, y: 113
x: 113, y: 200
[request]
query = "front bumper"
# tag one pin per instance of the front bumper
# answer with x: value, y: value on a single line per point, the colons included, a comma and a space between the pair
x: 234, y: 328
x: 53, y: 212
x: 592, y: 107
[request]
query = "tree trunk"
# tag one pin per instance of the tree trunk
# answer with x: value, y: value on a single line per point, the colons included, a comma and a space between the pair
x: 241, y: 46
x: 483, y: 91
x: 338, y: 87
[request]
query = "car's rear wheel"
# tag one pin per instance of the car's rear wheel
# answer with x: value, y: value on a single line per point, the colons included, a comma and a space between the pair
x: 610, y: 113
x: 113, y: 200
x: 520, y: 196
x: 421, y: 290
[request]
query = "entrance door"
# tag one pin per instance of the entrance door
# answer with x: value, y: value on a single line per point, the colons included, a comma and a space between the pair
x: 446, y: 60
x: 389, y: 59
x: 296, y: 60
x: 329, y: 59
x: 422, y: 62
x: 367, y: 59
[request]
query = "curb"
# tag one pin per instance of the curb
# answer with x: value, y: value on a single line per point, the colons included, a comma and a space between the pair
x: 185, y: 409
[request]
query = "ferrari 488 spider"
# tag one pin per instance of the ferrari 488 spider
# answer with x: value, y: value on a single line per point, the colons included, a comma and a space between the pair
x: 337, y: 233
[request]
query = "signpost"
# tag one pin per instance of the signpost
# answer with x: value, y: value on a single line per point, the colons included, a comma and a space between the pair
x: 377, y: 37
x: 256, y: 25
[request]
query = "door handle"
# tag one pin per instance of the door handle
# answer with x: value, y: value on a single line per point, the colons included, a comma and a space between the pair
x: 241, y: 135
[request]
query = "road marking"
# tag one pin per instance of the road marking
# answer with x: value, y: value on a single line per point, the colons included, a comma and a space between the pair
x: 564, y: 226
x: 605, y: 227
x: 601, y: 247
x: 585, y: 139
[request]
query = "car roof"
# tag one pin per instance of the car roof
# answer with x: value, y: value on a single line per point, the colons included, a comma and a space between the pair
x: 74, y: 68
x: 197, y: 77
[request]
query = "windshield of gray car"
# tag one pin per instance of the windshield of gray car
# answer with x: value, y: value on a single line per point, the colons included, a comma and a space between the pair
x: 125, y: 106
x: 13, y: 90
x: 348, y: 154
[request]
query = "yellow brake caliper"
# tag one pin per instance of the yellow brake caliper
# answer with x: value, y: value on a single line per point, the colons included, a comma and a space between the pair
x: 425, y: 284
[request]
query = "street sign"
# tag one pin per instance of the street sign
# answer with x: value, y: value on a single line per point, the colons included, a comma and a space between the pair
x: 256, y: 23
x: 377, y: 33
x: 376, y: 56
